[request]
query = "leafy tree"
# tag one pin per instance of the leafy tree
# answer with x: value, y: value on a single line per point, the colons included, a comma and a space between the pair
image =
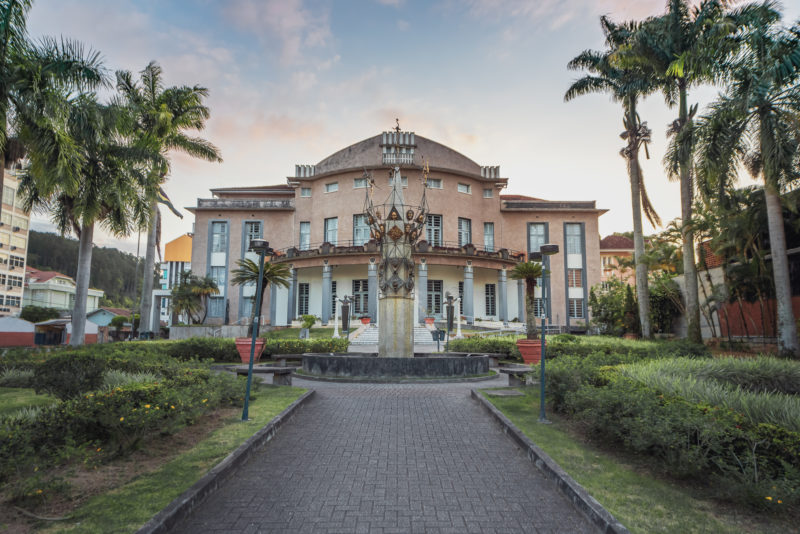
x: 629, y: 312
x: 161, y: 117
x: 626, y: 85
x: 528, y: 271
x: 607, y: 303
x: 247, y: 274
x: 666, y: 303
x: 190, y: 296
x: 755, y: 124
x: 681, y: 46
x: 37, y: 314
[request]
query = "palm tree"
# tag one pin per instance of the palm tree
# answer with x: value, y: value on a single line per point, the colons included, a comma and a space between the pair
x: 528, y: 271
x: 754, y: 124
x: 29, y: 71
x: 108, y: 190
x: 680, y: 47
x: 625, y: 85
x: 162, y: 118
x: 247, y: 274
x: 189, y: 296
x: 204, y: 288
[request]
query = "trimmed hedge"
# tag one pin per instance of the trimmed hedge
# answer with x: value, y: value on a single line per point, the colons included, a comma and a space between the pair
x: 299, y: 346
x: 506, y: 345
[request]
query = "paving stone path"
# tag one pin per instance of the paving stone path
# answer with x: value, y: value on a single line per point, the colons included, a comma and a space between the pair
x: 389, y: 458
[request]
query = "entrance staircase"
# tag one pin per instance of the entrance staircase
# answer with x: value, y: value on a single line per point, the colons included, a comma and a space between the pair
x: 369, y: 336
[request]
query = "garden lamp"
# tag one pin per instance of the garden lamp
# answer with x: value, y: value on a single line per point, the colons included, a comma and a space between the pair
x: 548, y: 249
x: 261, y: 247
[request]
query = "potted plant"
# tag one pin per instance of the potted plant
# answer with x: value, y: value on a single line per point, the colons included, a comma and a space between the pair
x: 429, y: 318
x: 247, y: 273
x: 531, y: 347
x: 365, y: 319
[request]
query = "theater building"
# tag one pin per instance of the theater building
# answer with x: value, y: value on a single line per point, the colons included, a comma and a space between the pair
x: 474, y: 235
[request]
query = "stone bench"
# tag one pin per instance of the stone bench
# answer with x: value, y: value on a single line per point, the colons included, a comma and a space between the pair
x: 281, y: 376
x: 517, y: 376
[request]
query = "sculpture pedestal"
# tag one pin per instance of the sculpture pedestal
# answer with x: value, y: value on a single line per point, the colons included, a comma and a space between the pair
x: 396, y: 327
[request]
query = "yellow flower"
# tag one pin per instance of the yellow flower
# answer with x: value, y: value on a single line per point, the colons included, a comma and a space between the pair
x: 158, y: 408
x: 172, y: 407
x: 121, y: 418
x: 99, y: 449
x: 205, y: 400
x: 146, y: 405
x: 769, y: 498
x: 39, y: 492
x: 780, y: 501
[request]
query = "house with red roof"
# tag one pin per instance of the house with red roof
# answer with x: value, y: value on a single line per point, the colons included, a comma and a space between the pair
x: 51, y: 289
x: 613, y: 248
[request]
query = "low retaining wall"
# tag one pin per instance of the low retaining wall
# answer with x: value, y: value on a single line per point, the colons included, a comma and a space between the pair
x: 360, y: 365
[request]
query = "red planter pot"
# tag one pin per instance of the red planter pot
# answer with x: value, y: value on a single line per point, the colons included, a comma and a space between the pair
x: 365, y: 320
x: 430, y: 320
x: 531, y: 350
x: 243, y: 346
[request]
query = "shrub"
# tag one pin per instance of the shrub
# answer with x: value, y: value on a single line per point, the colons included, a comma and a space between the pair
x: 299, y: 346
x: 219, y: 349
x: 16, y: 378
x: 308, y: 321
x: 115, y: 378
x: 68, y: 375
x: 506, y: 345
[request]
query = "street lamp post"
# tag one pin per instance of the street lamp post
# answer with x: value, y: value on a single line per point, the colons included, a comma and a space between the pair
x: 260, y: 246
x: 544, y: 250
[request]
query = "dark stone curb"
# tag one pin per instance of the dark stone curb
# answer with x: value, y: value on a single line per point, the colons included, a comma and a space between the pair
x: 579, y: 497
x: 417, y: 381
x: 182, y: 506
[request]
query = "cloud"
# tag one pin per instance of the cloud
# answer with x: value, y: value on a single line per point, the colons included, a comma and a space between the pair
x: 402, y: 25
x: 296, y: 28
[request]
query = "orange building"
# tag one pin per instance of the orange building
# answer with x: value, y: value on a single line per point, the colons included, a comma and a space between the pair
x: 473, y: 236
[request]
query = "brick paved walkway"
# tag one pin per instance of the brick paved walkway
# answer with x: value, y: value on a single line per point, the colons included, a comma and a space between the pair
x: 388, y: 458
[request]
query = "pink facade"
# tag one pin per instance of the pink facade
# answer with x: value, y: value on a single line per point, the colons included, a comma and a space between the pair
x: 474, y: 236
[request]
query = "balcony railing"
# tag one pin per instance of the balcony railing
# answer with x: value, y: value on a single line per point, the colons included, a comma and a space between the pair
x: 422, y: 247
x: 393, y: 158
x: 243, y: 204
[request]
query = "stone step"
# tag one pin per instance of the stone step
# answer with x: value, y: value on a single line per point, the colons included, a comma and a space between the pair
x: 370, y: 336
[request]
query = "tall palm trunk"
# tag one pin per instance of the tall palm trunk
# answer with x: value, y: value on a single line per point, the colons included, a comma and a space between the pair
x: 693, y: 332
x: 635, y: 176
x: 787, y: 329
x: 146, y: 306
x: 82, y: 285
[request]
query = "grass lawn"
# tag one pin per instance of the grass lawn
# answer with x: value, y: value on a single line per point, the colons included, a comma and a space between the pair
x: 127, y: 508
x: 639, y: 498
x: 294, y: 333
x: 14, y: 399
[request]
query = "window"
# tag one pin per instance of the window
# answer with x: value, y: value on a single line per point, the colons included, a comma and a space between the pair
x: 219, y: 236
x: 575, y: 277
x: 332, y: 187
x: 576, y: 308
x: 434, y: 297
x: 403, y: 181
x: 20, y: 222
x: 359, y: 183
x: 491, y: 299
x: 488, y: 237
x: 464, y: 188
x: 331, y: 230
x: 17, y: 261
x: 247, y: 306
x: 14, y: 281
x: 13, y: 301
x: 252, y: 230
x: 538, y: 307
x: 435, y: 183
x: 536, y: 236
x: 2, y: 279
x: 216, y: 307
x: 488, y: 193
x: 461, y: 293
x: 360, y: 229
x: 302, y: 299
x: 464, y: 231
x: 360, y: 297
x: 218, y: 274
x: 333, y: 298
x: 18, y: 242
x: 305, y: 235
x: 8, y: 195
x: 305, y: 191
x: 433, y: 230
x: 6, y: 218
x: 573, y: 238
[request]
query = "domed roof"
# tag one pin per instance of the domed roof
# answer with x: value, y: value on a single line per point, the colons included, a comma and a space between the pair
x: 369, y: 153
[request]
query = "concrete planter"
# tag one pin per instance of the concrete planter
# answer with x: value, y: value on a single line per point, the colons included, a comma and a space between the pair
x: 531, y: 350
x: 243, y: 346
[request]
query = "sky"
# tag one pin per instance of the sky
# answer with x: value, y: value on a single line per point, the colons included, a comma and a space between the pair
x: 292, y: 81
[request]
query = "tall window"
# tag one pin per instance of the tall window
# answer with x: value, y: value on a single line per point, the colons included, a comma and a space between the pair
x: 464, y: 231
x: 576, y: 308
x: 216, y: 307
x: 8, y: 195
x: 360, y: 297
x: 305, y: 235
x: 434, y: 297
x: 488, y: 237
x: 573, y: 239
x: 218, y: 274
x: 331, y: 230
x: 575, y: 277
x: 247, y: 306
x: 538, y: 307
x: 302, y: 299
x: 252, y: 230
x: 433, y: 230
x: 360, y: 229
x: 333, y: 298
x: 536, y: 236
x: 219, y: 236
x: 491, y: 299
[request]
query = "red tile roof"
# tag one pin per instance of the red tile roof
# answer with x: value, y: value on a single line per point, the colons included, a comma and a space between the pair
x: 35, y: 275
x: 117, y: 311
x: 712, y: 260
x: 616, y: 242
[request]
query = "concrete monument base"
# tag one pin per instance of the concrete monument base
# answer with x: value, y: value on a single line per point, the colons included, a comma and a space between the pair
x: 396, y: 327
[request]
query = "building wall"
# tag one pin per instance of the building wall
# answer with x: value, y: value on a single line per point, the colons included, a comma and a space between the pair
x: 14, y: 250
